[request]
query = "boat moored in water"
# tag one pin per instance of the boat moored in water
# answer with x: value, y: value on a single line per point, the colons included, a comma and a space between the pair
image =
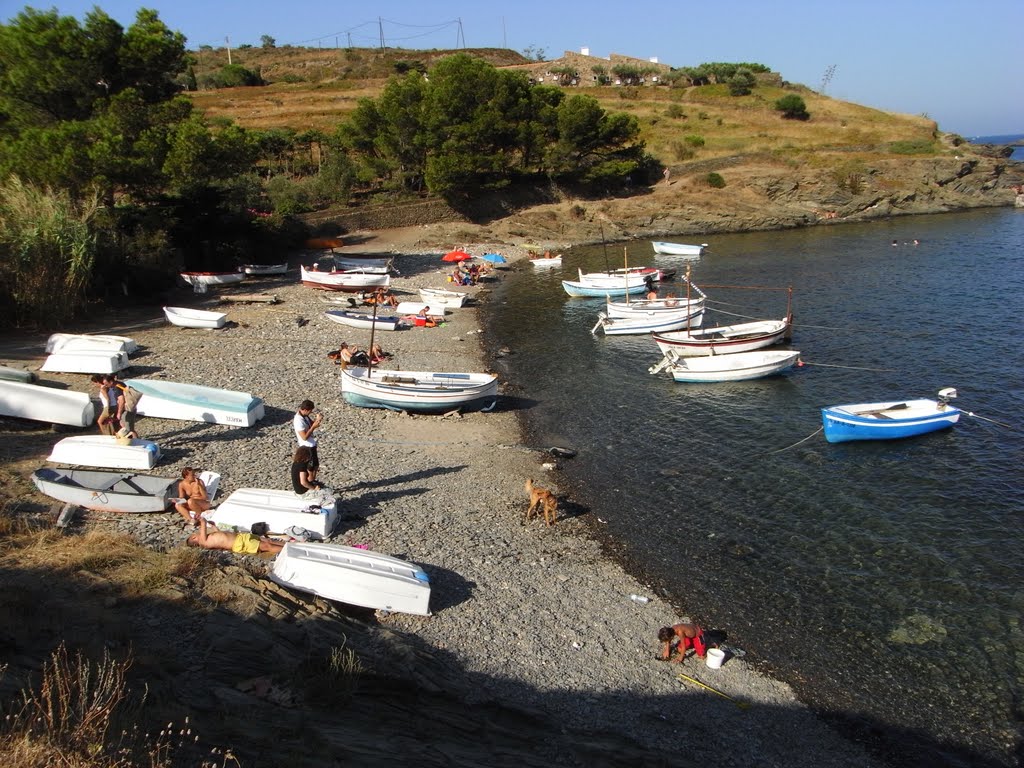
x: 889, y: 420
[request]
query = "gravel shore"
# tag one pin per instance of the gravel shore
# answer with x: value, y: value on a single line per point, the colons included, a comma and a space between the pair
x: 526, y: 616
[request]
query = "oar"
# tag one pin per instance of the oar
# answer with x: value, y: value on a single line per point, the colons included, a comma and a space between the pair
x: 740, y: 704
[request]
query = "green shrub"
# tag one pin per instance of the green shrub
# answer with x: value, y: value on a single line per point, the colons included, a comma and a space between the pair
x: 674, y: 111
x: 911, y: 147
x: 694, y: 140
x: 680, y: 151
x: 715, y: 180
x: 792, y: 107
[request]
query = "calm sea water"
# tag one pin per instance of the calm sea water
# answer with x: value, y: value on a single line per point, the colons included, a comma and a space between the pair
x: 884, y: 580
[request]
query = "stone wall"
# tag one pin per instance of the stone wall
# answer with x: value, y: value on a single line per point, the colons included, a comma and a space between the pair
x: 374, y: 217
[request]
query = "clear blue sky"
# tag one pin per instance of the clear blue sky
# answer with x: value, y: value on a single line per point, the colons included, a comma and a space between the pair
x: 959, y: 63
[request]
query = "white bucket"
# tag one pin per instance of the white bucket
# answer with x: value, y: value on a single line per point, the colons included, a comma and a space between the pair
x: 715, y: 658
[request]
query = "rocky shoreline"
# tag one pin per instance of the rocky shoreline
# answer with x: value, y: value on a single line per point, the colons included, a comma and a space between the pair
x: 535, y: 652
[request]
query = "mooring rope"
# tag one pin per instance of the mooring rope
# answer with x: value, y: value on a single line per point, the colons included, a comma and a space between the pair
x: 991, y: 421
x: 847, y: 367
x: 794, y: 445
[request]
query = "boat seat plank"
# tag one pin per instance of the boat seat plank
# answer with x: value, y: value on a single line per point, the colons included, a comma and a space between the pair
x: 399, y: 379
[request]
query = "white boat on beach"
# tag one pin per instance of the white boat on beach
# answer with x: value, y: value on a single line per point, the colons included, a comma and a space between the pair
x: 105, y: 451
x: 724, y: 339
x: 46, y: 404
x: 415, y: 307
x: 107, y: 491
x: 86, y: 361
x: 736, y: 367
x: 72, y: 342
x: 419, y: 391
x: 8, y: 373
x: 351, y: 282
x: 194, y: 318
x: 364, y: 320
x: 316, y: 512
x: 207, y: 279
x: 678, y: 249
x: 260, y: 270
x: 442, y: 297
x: 353, y: 576
x: 649, y: 322
x: 372, y: 266
x: 194, y: 402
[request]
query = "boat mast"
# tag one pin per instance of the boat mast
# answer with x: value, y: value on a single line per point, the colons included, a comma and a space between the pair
x: 369, y: 352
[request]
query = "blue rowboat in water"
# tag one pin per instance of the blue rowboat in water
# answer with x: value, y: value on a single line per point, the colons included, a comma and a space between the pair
x: 889, y: 421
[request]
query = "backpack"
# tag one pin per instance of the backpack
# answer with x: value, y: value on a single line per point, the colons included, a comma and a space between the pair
x: 131, y: 396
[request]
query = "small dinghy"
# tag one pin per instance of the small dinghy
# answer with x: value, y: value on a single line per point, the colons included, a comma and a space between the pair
x: 107, y: 491
x: 419, y: 391
x: 86, y: 361
x: 194, y: 402
x: 353, y: 576
x: 46, y: 404
x: 363, y: 320
x: 440, y: 297
x: 16, y: 374
x: 259, y: 270
x: 58, y: 342
x: 678, y: 249
x: 105, y: 451
x: 415, y: 307
x: 350, y: 282
x: 316, y: 512
x: 735, y: 367
x: 204, y: 280
x: 890, y: 420
x: 194, y: 318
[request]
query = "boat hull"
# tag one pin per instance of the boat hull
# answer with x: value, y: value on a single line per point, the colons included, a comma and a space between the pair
x: 279, y: 509
x: 739, y: 367
x: 193, y: 402
x: 86, y: 361
x: 212, y: 278
x: 552, y: 262
x: 59, y: 341
x: 258, y: 270
x: 584, y: 290
x: 363, y: 320
x: 728, y: 339
x: 649, y: 307
x: 194, y: 318
x: 107, y: 491
x: 886, y: 421
x: 652, y: 322
x: 349, y: 282
x: 440, y: 297
x: 677, y: 249
x: 105, y: 451
x: 16, y: 374
x: 353, y: 576
x: 46, y: 404
x: 419, y: 391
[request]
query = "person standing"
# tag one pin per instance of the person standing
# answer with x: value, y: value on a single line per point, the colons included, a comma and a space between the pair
x: 305, y: 425
x: 105, y: 421
x: 126, y: 404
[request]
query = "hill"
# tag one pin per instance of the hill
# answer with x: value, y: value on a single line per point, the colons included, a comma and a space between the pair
x: 734, y: 163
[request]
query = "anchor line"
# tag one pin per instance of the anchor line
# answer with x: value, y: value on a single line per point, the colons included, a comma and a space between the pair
x: 991, y: 421
x: 848, y: 367
x: 794, y: 445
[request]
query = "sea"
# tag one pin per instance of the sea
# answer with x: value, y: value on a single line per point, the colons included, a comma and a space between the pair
x: 883, y: 580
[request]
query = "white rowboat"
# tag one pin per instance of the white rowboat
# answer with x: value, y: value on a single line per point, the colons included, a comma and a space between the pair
x: 650, y: 322
x: 194, y: 318
x: 678, y: 249
x: 363, y: 320
x: 350, y: 282
x: 353, y: 576
x: 279, y: 509
x: 107, y: 491
x: 440, y: 296
x: 194, y: 402
x: 737, y: 367
x: 59, y: 341
x: 86, y: 361
x: 419, y: 391
x: 105, y: 451
x: 46, y: 404
x: 206, y: 279
x: 725, y: 339
x: 259, y: 270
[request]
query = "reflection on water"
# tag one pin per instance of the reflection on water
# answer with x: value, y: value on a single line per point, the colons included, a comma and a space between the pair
x: 882, y: 578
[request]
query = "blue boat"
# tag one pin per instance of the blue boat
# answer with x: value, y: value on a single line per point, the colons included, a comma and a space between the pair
x: 889, y: 421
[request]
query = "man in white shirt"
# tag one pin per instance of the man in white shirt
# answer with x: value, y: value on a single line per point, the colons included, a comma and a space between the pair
x: 305, y: 425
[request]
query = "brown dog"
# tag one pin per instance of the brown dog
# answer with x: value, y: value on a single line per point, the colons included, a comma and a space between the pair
x: 541, y: 498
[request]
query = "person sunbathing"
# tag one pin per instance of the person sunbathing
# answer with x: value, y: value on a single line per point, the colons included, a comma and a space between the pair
x: 240, y: 543
x: 192, y: 499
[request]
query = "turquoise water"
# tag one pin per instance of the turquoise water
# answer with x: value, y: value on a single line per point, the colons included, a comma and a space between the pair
x: 884, y: 580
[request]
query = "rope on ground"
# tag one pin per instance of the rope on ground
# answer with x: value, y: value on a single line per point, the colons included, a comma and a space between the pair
x: 848, y: 367
x: 794, y: 445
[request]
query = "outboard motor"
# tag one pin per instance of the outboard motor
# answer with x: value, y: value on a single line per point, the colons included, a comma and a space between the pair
x: 945, y: 395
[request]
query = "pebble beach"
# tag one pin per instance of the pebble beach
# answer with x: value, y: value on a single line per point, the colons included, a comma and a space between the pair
x: 526, y: 617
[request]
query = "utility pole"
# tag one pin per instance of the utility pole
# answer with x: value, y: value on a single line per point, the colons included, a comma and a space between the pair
x: 227, y: 41
x: 380, y: 26
x: 460, y: 36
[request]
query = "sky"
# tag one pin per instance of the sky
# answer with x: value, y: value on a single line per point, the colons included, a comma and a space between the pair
x: 958, y: 63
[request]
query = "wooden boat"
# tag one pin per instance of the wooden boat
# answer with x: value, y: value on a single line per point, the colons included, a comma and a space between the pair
x: 194, y: 318
x: 194, y: 402
x: 678, y: 249
x: 645, y: 307
x: 442, y: 297
x: 71, y: 342
x: 259, y: 270
x: 105, y: 451
x: 737, y: 367
x: 46, y: 404
x: 649, y: 322
x: 419, y: 391
x: 604, y: 285
x: 206, y: 279
x: 16, y: 374
x: 654, y: 274
x: 351, y: 282
x: 363, y: 320
x: 724, y: 339
x: 107, y: 491
x: 353, y: 576
x: 86, y: 361
x: 315, y: 511
x: 373, y: 266
x: 612, y: 279
x: 547, y: 261
x: 415, y: 307
x: 891, y: 420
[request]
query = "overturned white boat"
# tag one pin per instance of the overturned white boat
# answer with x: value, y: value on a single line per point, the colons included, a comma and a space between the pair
x: 86, y: 361
x: 194, y: 318
x: 105, y: 451
x: 58, y: 342
x: 353, y: 576
x: 47, y: 404
x: 440, y: 296
x: 194, y: 402
x: 8, y: 373
x: 107, y: 491
x: 315, y: 511
x: 415, y: 307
